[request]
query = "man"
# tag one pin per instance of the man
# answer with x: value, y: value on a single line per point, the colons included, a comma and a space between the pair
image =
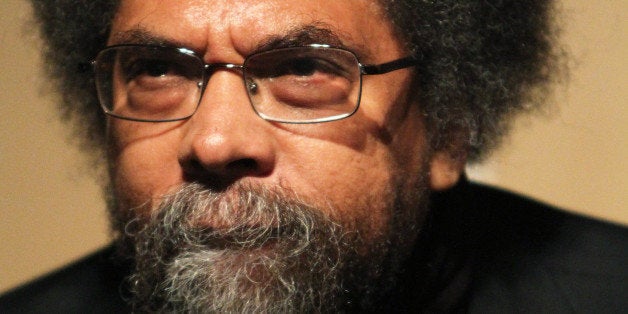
x: 308, y: 156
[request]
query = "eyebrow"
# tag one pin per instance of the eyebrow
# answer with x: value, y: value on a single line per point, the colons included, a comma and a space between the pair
x: 142, y: 36
x: 317, y: 33
x: 302, y: 35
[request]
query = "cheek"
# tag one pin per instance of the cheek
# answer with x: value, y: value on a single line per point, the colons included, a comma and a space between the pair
x: 144, y: 164
x: 363, y: 168
x: 355, y: 187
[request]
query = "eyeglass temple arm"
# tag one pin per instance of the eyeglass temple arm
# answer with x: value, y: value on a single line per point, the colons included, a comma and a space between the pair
x: 389, y: 66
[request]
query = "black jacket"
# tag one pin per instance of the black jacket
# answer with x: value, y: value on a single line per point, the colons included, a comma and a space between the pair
x: 483, y: 251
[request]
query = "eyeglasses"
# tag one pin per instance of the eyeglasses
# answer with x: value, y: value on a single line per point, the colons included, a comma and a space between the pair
x: 308, y: 84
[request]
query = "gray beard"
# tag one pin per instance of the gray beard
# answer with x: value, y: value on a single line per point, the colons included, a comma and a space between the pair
x: 257, y: 252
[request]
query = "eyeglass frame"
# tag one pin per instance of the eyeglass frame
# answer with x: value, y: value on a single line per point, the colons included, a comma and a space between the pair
x: 209, y: 68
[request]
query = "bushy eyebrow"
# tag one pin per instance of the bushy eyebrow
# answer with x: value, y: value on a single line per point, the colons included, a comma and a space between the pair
x: 142, y: 36
x: 302, y: 35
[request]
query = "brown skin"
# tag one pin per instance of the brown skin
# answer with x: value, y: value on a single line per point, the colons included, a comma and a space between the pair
x: 352, y: 169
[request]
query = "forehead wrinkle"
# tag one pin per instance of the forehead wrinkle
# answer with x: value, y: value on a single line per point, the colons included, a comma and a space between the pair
x: 309, y: 30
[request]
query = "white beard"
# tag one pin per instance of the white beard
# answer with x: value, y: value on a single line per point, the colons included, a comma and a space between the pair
x: 263, y: 253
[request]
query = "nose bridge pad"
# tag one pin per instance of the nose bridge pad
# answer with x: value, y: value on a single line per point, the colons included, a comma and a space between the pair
x: 251, y: 86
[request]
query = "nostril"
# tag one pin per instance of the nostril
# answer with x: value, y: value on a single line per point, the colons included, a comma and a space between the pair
x: 193, y: 168
x: 243, y: 166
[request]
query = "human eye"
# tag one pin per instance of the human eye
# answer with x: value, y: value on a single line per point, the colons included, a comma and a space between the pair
x: 151, y: 68
x: 302, y: 64
x: 154, y: 68
x: 307, y: 66
x: 151, y: 72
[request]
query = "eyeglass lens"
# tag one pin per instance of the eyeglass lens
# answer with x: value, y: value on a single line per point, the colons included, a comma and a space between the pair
x: 148, y: 83
x: 301, y: 84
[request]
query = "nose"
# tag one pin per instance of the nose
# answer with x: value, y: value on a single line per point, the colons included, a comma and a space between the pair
x: 225, y: 140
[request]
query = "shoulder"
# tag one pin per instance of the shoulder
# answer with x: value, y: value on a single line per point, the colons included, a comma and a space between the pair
x: 530, y: 256
x: 91, y: 285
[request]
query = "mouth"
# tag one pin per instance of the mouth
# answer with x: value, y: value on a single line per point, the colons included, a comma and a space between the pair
x: 244, y: 237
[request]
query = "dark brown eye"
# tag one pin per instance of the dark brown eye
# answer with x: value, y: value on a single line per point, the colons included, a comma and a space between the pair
x: 301, y: 66
x: 152, y: 68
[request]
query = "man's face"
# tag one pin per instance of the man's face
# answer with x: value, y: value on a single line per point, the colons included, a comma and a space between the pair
x: 364, y: 173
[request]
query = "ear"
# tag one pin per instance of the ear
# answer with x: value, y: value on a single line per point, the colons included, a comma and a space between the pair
x: 445, y: 170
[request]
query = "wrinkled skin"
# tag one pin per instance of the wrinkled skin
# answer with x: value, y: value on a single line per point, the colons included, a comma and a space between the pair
x: 359, y: 171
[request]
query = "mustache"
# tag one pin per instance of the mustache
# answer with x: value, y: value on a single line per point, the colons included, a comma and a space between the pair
x: 242, y: 217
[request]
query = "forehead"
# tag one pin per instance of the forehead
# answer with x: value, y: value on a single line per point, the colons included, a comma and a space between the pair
x: 241, y: 26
